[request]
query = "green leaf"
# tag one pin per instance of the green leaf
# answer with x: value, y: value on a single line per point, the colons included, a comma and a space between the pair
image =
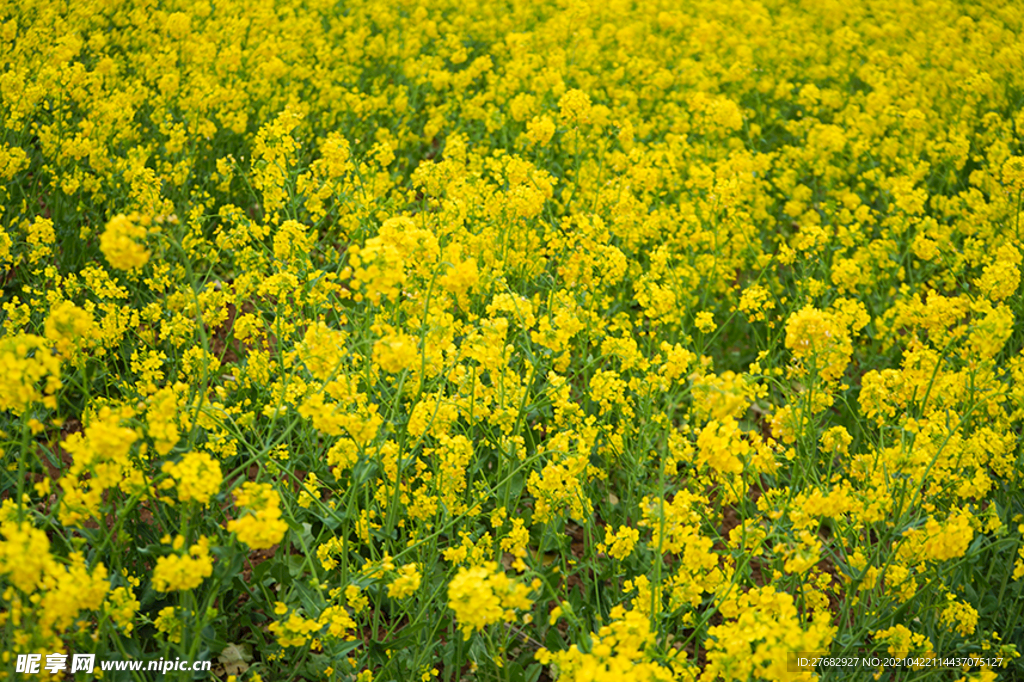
x: 235, y: 658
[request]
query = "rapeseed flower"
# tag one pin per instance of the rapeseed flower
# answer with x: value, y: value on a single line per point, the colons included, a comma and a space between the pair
x: 483, y: 595
x: 121, y: 242
x: 260, y: 525
x: 183, y: 572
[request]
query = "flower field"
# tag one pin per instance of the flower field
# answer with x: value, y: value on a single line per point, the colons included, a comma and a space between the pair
x: 528, y: 340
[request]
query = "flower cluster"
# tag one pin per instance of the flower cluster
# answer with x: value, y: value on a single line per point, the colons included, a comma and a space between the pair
x: 483, y: 595
x: 655, y: 342
x: 120, y: 243
x: 260, y: 525
x: 183, y: 571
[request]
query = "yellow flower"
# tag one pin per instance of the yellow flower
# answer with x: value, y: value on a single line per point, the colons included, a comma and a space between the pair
x: 574, y: 107
x: 260, y: 525
x: 396, y: 352
x: 40, y: 236
x: 69, y: 328
x: 295, y: 631
x: 178, y: 572
x: 24, y: 555
x: 484, y: 595
x: 619, y: 647
x: 120, y: 243
x: 818, y: 338
x: 619, y: 545
x: 960, y: 615
x: 407, y: 582
x: 540, y: 129
x: 705, y: 322
x: 902, y: 642
x: 28, y: 373
x: 722, y: 447
x: 949, y: 540
x: 197, y: 475
x: 168, y: 622
x: 121, y: 606
x: 356, y: 599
